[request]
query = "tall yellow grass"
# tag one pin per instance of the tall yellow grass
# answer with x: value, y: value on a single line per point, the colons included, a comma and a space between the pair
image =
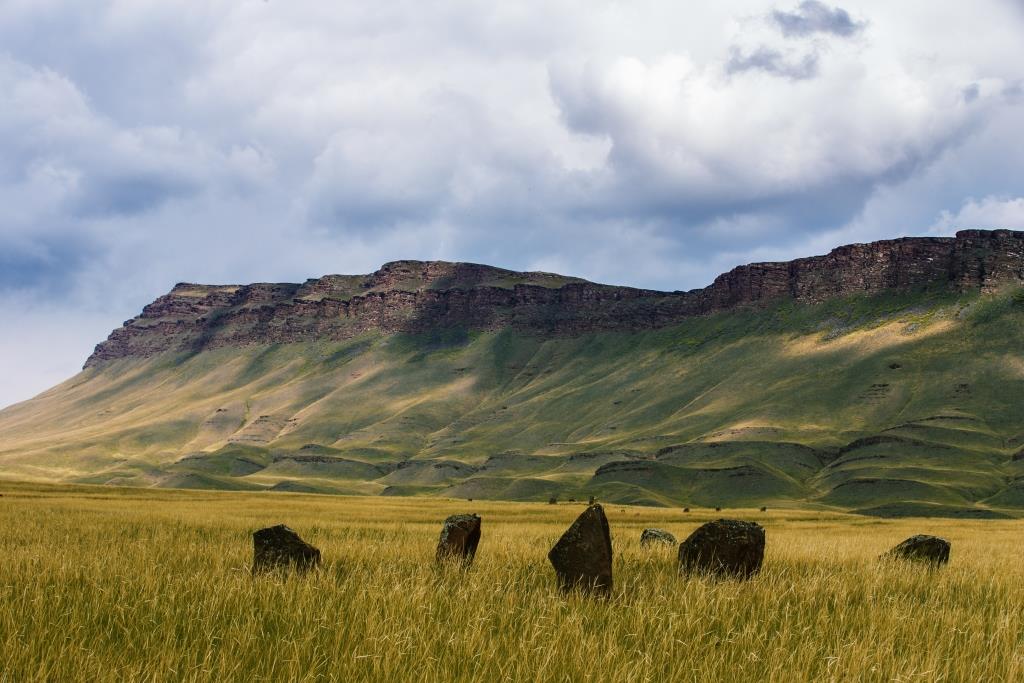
x: 135, y: 585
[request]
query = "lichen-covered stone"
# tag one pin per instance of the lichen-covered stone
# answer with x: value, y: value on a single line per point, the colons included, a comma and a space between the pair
x: 278, y: 547
x: 656, y: 536
x: 725, y: 547
x: 460, y: 535
x: 922, y: 548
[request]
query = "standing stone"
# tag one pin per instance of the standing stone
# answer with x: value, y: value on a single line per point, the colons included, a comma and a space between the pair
x: 922, y: 548
x: 725, y: 547
x: 661, y: 536
x: 278, y: 547
x: 582, y: 557
x: 460, y: 536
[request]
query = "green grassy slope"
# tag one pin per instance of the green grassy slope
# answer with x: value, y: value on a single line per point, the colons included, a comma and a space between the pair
x: 883, y: 404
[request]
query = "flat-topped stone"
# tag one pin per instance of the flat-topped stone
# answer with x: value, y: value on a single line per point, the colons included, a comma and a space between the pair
x: 724, y: 547
x: 922, y: 548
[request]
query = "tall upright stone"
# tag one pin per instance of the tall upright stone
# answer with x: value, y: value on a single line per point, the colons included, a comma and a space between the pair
x: 724, y: 548
x: 278, y: 547
x: 460, y: 536
x: 582, y: 557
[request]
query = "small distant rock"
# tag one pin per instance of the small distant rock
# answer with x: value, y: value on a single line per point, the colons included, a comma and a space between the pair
x: 661, y: 536
x: 764, y: 509
x: 552, y: 501
x: 278, y: 547
x: 460, y: 536
x: 582, y: 557
x: 725, y: 547
x: 922, y: 548
x: 592, y: 501
x: 718, y: 509
x: 686, y: 509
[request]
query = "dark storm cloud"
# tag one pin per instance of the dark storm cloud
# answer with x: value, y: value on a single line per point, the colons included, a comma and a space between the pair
x: 1014, y: 92
x: 812, y: 17
x: 129, y: 194
x: 47, y: 264
x: 774, y: 62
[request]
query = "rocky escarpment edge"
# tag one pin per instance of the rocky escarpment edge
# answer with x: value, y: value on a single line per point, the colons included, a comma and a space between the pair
x: 413, y: 296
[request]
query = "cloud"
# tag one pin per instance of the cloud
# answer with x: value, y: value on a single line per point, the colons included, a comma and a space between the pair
x: 773, y: 62
x: 650, y: 143
x: 690, y: 145
x: 52, y: 140
x: 812, y: 17
x: 986, y: 213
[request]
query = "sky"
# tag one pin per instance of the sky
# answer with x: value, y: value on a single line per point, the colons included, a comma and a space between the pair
x: 650, y: 143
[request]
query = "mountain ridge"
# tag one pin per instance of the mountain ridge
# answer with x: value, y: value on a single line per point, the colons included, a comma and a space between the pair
x: 411, y: 296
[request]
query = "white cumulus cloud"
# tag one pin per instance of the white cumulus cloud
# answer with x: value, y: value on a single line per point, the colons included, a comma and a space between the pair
x: 986, y: 213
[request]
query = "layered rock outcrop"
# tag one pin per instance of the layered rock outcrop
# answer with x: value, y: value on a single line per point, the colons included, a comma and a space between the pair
x: 414, y: 296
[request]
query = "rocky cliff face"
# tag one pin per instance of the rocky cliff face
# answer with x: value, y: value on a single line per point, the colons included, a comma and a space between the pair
x: 413, y: 296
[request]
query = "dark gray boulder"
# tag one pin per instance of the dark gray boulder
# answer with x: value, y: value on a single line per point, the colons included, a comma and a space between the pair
x: 657, y: 536
x: 922, y: 548
x: 278, y: 547
x: 725, y: 548
x: 460, y: 536
x: 582, y: 557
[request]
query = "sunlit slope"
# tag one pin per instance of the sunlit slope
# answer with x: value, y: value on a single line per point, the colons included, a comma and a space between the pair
x: 897, y: 404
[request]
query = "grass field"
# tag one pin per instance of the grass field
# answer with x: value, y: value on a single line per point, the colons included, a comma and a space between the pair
x: 130, y: 584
